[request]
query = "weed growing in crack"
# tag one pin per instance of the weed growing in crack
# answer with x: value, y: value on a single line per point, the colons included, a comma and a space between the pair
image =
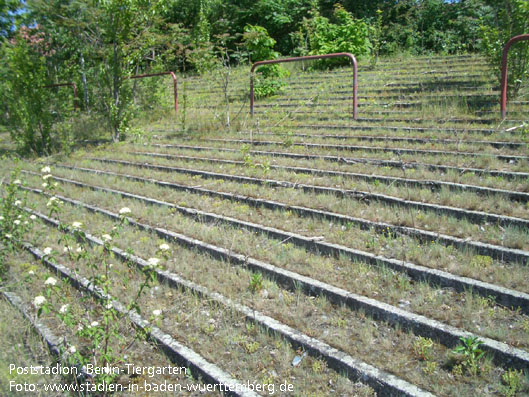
x: 256, y: 283
x: 423, y: 348
x: 288, y: 141
x: 470, y: 354
x: 481, y: 261
x: 512, y: 380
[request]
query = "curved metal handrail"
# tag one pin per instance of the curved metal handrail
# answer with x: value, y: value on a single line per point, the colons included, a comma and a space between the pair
x: 503, y: 99
x: 141, y: 76
x: 308, y: 57
x: 73, y: 85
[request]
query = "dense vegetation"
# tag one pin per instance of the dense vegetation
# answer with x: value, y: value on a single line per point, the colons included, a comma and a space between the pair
x: 103, y: 41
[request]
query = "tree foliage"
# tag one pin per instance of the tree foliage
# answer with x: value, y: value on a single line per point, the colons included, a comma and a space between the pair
x: 343, y: 33
x: 29, y: 113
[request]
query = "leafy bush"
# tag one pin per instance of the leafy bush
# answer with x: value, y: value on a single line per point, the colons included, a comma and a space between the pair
x: 319, y: 35
x: 260, y: 47
x: 268, y: 81
x: 258, y: 43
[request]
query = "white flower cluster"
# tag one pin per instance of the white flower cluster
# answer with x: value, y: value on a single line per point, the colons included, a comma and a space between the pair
x: 153, y: 262
x: 39, y: 301
x: 53, y: 200
x: 164, y: 247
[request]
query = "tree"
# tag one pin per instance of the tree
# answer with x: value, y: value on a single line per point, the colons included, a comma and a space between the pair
x: 123, y: 25
x: 30, y: 116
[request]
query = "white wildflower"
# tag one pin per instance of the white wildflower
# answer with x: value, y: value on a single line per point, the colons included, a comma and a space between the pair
x: 79, y: 249
x: 16, y: 222
x: 44, y: 185
x: 17, y: 182
x: 26, y: 223
x: 47, y: 251
x: 33, y: 217
x: 109, y: 306
x: 51, y: 201
x: 1, y: 218
x: 80, y: 328
x: 106, y: 237
x: 165, y: 247
x: 72, y: 349
x: 153, y: 262
x: 31, y: 272
x: 64, y: 308
x: 8, y: 235
x: 39, y: 301
x: 47, y: 176
x: 125, y: 210
x: 46, y: 170
x: 18, y: 202
x: 67, y: 249
x: 77, y: 225
x: 51, y: 281
x: 94, y: 324
x: 55, y: 184
x: 157, y: 313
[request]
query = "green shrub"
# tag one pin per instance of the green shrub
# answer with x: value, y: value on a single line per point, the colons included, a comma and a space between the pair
x: 343, y: 34
x: 260, y: 47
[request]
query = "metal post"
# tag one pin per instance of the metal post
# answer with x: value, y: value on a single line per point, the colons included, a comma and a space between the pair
x: 503, y: 99
x: 309, y: 57
x: 175, y: 84
x: 70, y: 85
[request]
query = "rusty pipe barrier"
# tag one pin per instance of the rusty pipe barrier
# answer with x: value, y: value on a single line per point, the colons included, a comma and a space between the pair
x: 63, y: 85
x: 503, y: 99
x: 175, y: 85
x: 308, y: 57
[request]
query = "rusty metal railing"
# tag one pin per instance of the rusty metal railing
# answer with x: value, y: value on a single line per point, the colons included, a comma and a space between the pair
x: 309, y: 57
x: 175, y: 84
x: 63, y: 85
x: 503, y: 99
